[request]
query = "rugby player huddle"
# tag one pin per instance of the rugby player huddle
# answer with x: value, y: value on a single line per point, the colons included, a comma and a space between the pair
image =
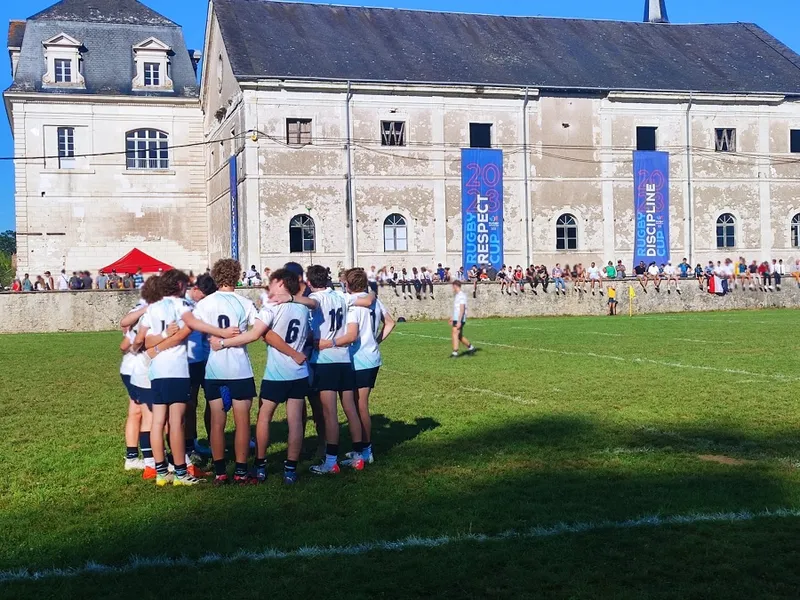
x: 322, y: 345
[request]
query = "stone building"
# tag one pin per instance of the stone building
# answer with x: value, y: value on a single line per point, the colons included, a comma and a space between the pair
x: 361, y: 114
x: 102, y: 90
x: 346, y: 126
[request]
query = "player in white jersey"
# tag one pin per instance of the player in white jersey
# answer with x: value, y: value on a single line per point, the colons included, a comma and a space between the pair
x: 286, y: 375
x: 134, y: 423
x: 197, y: 350
x: 169, y: 376
x: 228, y: 378
x: 139, y: 378
x: 332, y: 368
x: 459, y: 320
x: 363, y: 336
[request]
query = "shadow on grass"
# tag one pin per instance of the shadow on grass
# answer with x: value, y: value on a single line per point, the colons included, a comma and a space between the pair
x: 538, y: 471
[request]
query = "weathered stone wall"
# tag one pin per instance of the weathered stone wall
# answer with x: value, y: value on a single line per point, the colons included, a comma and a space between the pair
x: 102, y: 310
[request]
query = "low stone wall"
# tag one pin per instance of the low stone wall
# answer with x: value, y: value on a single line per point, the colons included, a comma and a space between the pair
x: 102, y: 310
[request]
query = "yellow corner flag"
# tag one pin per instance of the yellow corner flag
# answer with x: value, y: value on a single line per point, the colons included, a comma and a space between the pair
x: 631, y: 296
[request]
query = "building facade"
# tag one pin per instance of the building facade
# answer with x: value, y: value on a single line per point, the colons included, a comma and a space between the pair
x: 104, y: 112
x: 346, y: 126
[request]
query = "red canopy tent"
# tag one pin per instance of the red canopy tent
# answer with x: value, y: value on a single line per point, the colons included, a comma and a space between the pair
x: 135, y: 260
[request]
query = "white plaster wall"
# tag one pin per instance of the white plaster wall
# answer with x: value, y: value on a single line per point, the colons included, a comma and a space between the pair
x: 87, y: 217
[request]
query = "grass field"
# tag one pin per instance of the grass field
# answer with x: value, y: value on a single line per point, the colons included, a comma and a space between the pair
x: 514, y: 473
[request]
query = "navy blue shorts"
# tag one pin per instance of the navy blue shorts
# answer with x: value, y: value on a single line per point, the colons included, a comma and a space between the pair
x: 241, y: 389
x: 366, y: 378
x: 171, y: 390
x: 281, y: 391
x: 334, y: 377
x: 197, y: 373
x: 144, y: 396
x: 132, y: 389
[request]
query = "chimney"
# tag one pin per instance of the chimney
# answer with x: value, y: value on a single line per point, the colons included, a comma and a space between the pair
x: 655, y: 11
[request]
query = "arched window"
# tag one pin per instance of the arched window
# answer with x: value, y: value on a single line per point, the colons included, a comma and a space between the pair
x: 147, y: 149
x: 567, y: 232
x: 726, y: 231
x: 796, y: 231
x: 395, y: 234
x: 302, y: 234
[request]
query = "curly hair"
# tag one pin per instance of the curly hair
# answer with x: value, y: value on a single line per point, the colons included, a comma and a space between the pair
x: 151, y: 290
x: 356, y: 280
x: 174, y: 283
x: 226, y: 272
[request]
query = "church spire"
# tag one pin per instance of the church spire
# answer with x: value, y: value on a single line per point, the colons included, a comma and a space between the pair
x: 655, y: 11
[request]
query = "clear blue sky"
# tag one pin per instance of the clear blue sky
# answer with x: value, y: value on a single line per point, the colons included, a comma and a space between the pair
x: 779, y: 17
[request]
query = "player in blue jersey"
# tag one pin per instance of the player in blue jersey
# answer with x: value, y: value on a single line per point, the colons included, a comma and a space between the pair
x: 367, y: 327
x: 198, y: 350
x: 285, y: 328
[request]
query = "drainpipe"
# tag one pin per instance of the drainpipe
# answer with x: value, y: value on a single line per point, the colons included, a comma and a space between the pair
x: 350, y: 207
x: 525, y: 174
x: 689, y: 189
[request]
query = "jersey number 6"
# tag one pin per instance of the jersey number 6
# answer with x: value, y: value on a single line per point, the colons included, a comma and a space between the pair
x: 293, y: 331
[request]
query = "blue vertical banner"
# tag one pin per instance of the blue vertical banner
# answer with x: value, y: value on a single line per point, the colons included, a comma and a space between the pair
x: 234, y: 208
x: 651, y: 205
x: 482, y: 207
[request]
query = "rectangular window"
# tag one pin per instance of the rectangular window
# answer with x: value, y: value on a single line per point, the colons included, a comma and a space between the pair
x: 393, y: 133
x: 298, y: 132
x: 66, y: 147
x: 480, y: 135
x: 646, y: 138
x: 794, y: 141
x: 63, y: 70
x: 725, y: 140
x: 152, y: 74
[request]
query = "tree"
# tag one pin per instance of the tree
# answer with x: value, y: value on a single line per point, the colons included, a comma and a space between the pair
x: 8, y: 242
x: 6, y: 270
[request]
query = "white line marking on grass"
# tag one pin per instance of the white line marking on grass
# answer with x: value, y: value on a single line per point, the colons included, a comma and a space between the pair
x: 601, y: 333
x: 411, y: 542
x: 528, y: 328
x: 775, y: 376
x: 703, y: 341
x: 498, y: 395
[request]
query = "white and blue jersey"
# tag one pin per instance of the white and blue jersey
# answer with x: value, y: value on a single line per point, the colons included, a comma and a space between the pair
x: 140, y: 366
x: 172, y: 363
x: 365, y: 352
x: 223, y: 310
x: 459, y: 301
x: 290, y: 322
x: 328, y: 321
x: 198, y: 347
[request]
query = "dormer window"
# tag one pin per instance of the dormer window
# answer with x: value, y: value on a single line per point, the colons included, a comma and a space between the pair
x: 152, y: 74
x: 62, y: 55
x: 63, y: 70
x: 152, y: 61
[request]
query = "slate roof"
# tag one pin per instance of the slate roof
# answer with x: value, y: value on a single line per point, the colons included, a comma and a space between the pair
x: 108, y: 39
x: 16, y: 31
x: 270, y: 39
x: 127, y: 12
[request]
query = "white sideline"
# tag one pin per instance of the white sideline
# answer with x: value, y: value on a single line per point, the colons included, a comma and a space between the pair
x: 775, y: 376
x: 536, y: 532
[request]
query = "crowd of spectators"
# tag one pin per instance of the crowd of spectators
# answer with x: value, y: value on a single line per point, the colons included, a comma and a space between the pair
x: 418, y: 282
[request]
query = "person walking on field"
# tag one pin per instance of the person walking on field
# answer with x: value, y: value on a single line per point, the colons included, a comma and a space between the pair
x: 459, y: 320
